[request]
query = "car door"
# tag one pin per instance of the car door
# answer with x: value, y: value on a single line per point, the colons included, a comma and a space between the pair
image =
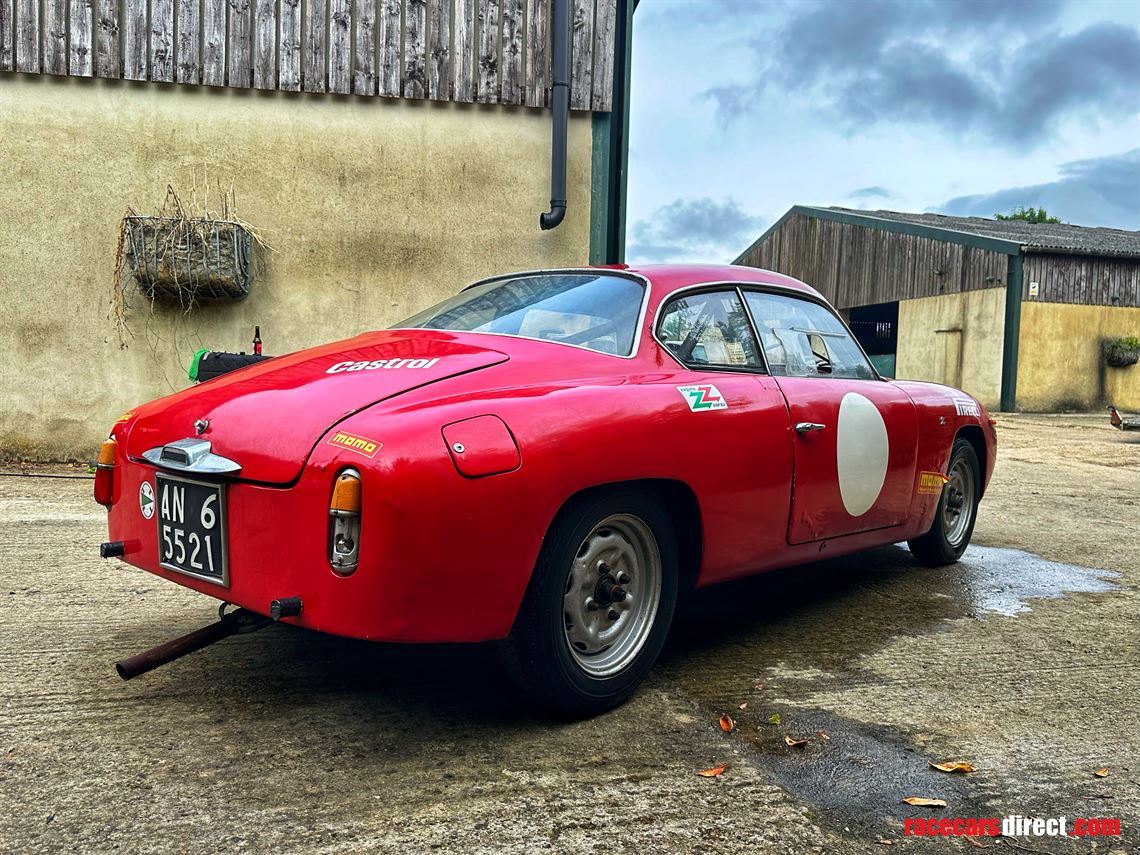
x: 855, y: 436
x: 736, y: 450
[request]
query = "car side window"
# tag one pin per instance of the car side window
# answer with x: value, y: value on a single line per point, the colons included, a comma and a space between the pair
x: 803, y: 339
x: 709, y: 329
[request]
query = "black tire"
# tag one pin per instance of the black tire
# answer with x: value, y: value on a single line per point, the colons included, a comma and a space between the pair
x: 538, y: 652
x: 942, y: 545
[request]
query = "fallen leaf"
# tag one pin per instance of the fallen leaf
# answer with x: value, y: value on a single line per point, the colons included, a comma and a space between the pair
x: 882, y: 841
x: 1101, y: 773
x: 714, y: 772
x: 727, y: 724
x: 794, y: 743
x: 823, y: 736
x: 953, y: 767
x: 774, y: 718
x: 919, y: 801
x: 743, y: 706
x: 758, y: 686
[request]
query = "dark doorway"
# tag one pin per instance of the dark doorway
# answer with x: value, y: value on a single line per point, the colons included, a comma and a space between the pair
x: 877, y: 329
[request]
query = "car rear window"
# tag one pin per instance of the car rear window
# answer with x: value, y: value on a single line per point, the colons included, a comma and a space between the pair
x: 597, y: 311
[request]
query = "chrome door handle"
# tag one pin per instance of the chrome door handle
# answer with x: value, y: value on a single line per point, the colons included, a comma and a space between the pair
x: 808, y: 427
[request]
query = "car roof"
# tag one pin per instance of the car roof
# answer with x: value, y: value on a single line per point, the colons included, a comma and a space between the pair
x: 669, y: 277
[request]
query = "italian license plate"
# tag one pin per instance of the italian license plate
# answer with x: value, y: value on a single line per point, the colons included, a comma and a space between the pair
x: 192, y: 527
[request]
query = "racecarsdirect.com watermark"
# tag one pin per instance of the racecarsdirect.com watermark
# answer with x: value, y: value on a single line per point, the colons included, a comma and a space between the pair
x: 1013, y: 826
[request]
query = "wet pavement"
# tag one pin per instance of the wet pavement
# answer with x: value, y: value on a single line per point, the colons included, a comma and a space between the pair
x: 1020, y: 660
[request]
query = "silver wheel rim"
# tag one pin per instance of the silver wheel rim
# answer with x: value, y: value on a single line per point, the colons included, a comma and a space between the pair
x: 611, y: 595
x: 958, y: 506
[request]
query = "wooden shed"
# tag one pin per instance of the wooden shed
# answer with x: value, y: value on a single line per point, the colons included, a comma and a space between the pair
x: 388, y: 152
x: 1017, y: 313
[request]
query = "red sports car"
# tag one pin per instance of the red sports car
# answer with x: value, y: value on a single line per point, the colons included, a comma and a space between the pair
x: 548, y: 458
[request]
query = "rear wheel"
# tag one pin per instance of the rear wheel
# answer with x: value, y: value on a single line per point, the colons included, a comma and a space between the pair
x: 599, y: 605
x: 953, y: 524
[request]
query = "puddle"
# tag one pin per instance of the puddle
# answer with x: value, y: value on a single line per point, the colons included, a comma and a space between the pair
x: 1002, y: 581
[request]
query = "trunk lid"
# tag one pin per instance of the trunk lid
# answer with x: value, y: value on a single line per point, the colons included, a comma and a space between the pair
x: 269, y: 416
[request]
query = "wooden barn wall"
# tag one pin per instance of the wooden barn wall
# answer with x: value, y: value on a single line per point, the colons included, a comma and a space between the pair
x: 485, y: 51
x: 859, y: 266
x: 1083, y: 279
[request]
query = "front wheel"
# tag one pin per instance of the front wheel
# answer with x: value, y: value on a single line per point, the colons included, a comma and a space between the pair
x: 953, y: 524
x: 599, y: 605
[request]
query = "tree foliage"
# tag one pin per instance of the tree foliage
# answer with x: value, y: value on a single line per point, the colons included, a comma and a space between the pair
x: 1030, y: 215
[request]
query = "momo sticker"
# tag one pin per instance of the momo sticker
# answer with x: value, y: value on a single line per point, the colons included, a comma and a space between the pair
x: 359, y: 444
x: 146, y: 500
x: 931, y: 483
x: 377, y: 364
x: 703, y: 397
x: 966, y: 408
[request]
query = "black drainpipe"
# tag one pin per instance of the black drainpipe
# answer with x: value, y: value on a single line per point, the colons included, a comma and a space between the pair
x: 560, y: 62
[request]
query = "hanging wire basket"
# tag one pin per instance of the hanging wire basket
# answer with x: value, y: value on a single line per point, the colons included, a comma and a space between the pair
x: 189, y: 259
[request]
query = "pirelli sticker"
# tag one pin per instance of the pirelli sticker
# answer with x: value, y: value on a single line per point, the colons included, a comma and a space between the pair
x: 359, y: 444
x: 931, y: 482
x: 966, y: 408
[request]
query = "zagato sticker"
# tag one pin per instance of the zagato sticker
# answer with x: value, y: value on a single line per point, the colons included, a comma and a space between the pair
x: 931, y: 482
x: 359, y: 444
x: 703, y: 397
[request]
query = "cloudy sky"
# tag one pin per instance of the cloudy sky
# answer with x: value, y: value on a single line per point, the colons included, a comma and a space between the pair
x: 743, y: 108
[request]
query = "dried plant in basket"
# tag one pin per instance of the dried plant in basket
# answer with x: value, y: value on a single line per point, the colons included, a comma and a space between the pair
x: 185, y: 256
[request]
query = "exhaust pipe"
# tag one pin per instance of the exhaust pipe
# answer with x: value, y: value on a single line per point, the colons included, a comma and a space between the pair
x: 236, y: 622
x: 560, y: 94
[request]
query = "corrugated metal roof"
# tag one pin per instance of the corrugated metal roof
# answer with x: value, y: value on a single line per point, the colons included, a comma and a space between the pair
x: 1040, y: 237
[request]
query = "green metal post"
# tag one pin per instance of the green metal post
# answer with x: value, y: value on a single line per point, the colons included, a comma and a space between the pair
x: 1013, y: 286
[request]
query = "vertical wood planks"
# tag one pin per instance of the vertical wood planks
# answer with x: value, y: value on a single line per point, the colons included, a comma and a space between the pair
x: 214, y: 42
x: 439, y: 50
x: 491, y: 51
x: 79, y: 52
x: 134, y: 40
x: 388, y: 36
x: 27, y: 35
x: 415, y: 48
x: 162, y: 40
x: 188, y: 68
x: 463, y: 55
x: 581, y: 54
x: 316, y: 29
x: 340, y: 47
x: 55, y: 36
x: 239, y: 63
x: 290, y: 46
x: 7, y: 35
x: 513, y: 59
x: 488, y: 80
x: 605, y: 27
x: 364, y: 56
x: 264, y: 44
x: 537, y: 56
x: 108, y: 57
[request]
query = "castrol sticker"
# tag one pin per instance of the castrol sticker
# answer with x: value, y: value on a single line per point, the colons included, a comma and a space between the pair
x: 377, y: 364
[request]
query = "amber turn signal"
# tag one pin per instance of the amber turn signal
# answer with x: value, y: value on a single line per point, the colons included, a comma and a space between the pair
x: 105, y: 473
x: 345, y: 495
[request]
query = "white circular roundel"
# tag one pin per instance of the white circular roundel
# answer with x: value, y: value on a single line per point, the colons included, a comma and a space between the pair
x: 861, y: 449
x: 146, y: 499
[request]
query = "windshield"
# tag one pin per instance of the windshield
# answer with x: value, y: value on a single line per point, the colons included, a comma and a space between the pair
x: 598, y: 311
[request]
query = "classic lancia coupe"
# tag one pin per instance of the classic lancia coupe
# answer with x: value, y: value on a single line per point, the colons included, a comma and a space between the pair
x: 547, y: 459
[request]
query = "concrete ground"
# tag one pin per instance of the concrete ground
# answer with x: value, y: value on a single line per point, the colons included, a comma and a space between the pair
x: 289, y: 740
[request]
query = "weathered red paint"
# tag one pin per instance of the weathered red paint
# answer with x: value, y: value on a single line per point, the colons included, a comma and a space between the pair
x: 447, y: 557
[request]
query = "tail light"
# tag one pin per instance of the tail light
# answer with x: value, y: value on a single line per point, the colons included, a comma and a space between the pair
x: 105, y: 473
x: 344, y: 522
